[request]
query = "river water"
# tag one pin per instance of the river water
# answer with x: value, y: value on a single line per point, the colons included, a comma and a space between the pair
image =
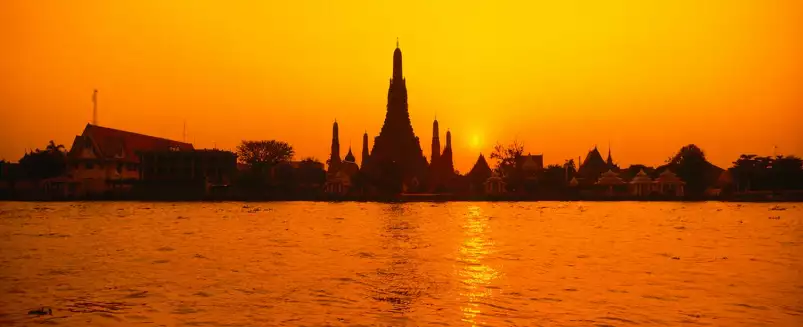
x: 413, y: 264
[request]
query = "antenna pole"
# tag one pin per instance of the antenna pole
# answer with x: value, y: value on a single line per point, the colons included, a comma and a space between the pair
x: 184, y: 133
x: 95, y: 107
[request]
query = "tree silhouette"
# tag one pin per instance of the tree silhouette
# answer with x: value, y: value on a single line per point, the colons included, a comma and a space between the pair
x: 689, y: 164
x: 262, y: 154
x: 45, y: 164
x: 310, y: 172
x: 752, y: 172
x: 52, y: 147
x: 553, y: 177
x: 507, y: 157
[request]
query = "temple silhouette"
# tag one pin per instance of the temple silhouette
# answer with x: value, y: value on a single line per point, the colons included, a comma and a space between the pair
x: 396, y: 163
x: 107, y: 163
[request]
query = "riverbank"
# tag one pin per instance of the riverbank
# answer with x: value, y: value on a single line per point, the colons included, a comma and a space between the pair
x: 741, y: 197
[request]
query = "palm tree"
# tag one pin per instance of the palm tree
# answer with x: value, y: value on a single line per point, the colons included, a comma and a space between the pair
x: 52, y: 147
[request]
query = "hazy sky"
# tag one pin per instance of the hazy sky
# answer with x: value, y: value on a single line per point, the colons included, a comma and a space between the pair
x: 562, y: 76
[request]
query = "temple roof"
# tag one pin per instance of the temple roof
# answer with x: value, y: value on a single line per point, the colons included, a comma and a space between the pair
x: 117, y: 144
x: 481, y: 168
x: 610, y: 178
x: 531, y: 162
x: 667, y: 176
x: 641, y: 178
x: 349, y: 157
x: 593, y: 162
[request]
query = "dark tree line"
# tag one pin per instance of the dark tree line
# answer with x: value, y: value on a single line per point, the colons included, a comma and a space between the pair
x: 749, y: 172
x: 42, y: 164
x: 269, y: 169
x: 754, y: 173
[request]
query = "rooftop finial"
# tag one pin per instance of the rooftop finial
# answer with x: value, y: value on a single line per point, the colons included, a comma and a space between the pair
x: 397, y: 42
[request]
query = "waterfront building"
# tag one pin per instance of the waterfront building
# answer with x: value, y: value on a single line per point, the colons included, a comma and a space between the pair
x: 339, y: 180
x: 641, y: 185
x: 103, y: 160
x: 495, y: 185
x: 668, y: 183
x: 610, y: 181
x: 479, y: 175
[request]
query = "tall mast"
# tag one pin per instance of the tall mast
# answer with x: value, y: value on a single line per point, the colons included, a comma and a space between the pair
x: 95, y: 107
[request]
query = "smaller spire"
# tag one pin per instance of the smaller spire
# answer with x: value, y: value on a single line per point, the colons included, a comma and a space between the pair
x: 349, y: 156
x: 397, y: 42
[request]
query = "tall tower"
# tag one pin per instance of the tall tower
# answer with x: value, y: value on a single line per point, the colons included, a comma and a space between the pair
x: 396, y: 158
x: 365, y: 153
x: 610, y: 160
x: 447, y: 165
x: 334, y: 156
x: 436, y: 144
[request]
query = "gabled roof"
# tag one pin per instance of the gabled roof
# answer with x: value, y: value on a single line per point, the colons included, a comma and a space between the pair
x: 610, y: 178
x: 641, y: 178
x: 667, y: 176
x: 112, y: 143
x: 531, y: 162
x: 593, y: 162
x: 481, y: 167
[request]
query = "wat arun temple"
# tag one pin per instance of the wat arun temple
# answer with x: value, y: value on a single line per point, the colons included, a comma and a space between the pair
x: 395, y: 164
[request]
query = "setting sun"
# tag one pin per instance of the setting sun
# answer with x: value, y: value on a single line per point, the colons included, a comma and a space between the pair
x: 476, y: 142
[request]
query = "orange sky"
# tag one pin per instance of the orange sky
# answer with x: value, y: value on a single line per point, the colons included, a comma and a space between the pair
x: 562, y: 76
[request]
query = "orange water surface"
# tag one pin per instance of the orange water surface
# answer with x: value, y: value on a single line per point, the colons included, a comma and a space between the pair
x: 413, y: 264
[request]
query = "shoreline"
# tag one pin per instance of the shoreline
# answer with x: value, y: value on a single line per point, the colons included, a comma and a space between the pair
x: 411, y: 199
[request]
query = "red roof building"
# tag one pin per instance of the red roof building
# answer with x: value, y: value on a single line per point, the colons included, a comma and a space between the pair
x: 103, y: 158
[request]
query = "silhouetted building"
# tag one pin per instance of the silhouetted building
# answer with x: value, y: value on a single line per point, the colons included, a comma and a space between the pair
x: 104, y: 159
x: 531, y: 163
x: 397, y: 162
x: 436, y: 145
x: 166, y: 174
x: 446, y: 161
x: 479, y: 174
x: 341, y: 182
x: 641, y: 185
x: 365, y: 154
x: 334, y: 155
x: 216, y: 167
x: 592, y: 167
x: 609, y: 161
x: 668, y: 183
x: 611, y: 183
x: 442, y: 175
x: 495, y: 185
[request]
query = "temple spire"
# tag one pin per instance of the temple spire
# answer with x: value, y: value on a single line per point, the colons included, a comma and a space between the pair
x: 397, y: 63
x: 334, y: 156
x: 610, y: 159
x: 365, y: 153
x: 436, y: 143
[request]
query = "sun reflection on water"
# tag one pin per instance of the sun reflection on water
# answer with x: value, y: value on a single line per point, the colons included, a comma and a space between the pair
x: 475, y: 275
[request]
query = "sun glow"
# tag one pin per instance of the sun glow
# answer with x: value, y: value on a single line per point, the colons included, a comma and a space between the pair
x: 475, y: 142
